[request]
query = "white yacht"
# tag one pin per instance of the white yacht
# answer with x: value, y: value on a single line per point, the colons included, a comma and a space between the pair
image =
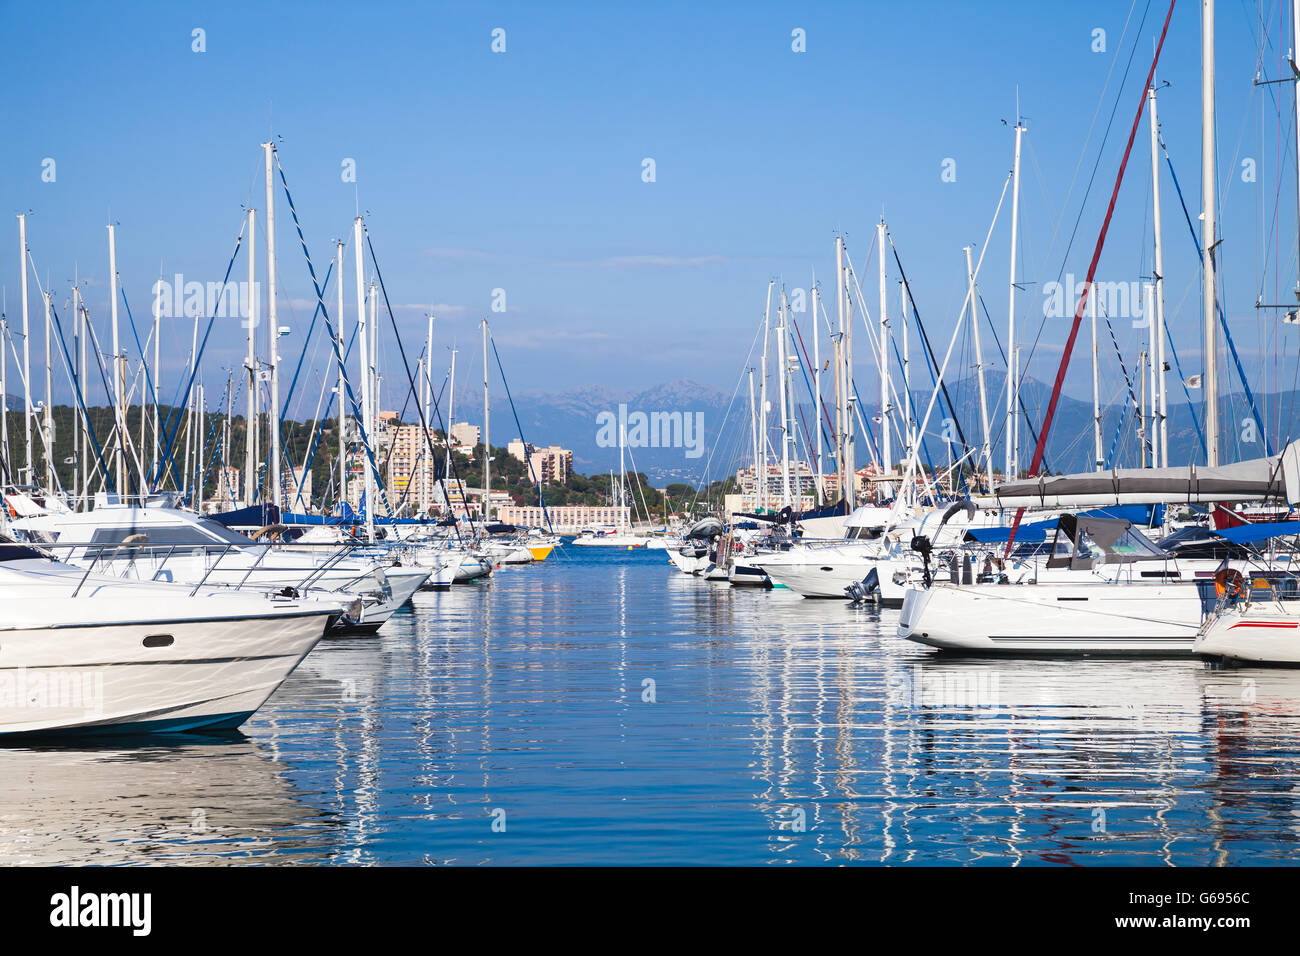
x: 1104, y: 589
x: 163, y: 543
x: 84, y: 653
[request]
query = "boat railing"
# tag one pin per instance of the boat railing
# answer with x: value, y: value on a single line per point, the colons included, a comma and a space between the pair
x: 105, y: 556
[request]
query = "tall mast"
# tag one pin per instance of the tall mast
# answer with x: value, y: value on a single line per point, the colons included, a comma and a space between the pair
x: 848, y: 477
x: 427, y: 384
x: 753, y: 434
x: 372, y: 417
x: 451, y: 407
x: 1295, y: 67
x: 907, y: 372
x: 886, y: 455
x: 1013, y: 386
x: 225, y: 436
x: 4, y: 380
x: 487, y: 447
x: 817, y: 387
x: 48, y: 417
x: 118, y: 382
x: 199, y: 442
x: 250, y: 365
x: 77, y: 418
x: 1158, y: 267
x: 273, y: 328
x: 1154, y: 416
x: 27, y: 371
x: 763, y: 403
x: 157, y: 388
x: 341, y: 388
x: 1098, y: 456
x: 782, y: 369
x: 367, y: 487
x: 85, y: 423
x: 1209, y: 174
x: 979, y: 367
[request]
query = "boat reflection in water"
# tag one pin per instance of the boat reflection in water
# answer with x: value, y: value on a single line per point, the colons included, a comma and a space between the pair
x: 614, y: 711
x: 881, y: 756
x: 218, y: 798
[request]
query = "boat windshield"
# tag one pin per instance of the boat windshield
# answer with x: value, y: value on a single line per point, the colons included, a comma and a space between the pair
x: 11, y: 550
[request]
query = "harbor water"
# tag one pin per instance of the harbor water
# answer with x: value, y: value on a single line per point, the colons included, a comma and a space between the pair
x: 602, y: 708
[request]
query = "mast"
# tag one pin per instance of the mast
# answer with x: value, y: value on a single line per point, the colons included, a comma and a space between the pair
x: 48, y: 417
x: 157, y: 388
x: 250, y: 363
x: 487, y: 447
x: 85, y: 422
x: 782, y: 370
x: 848, y: 477
x: 762, y: 403
x: 1098, y: 456
x: 367, y: 487
x: 273, y: 329
x: 1159, y: 269
x: 1153, y: 410
x: 753, y: 434
x: 27, y: 371
x: 426, y: 384
x: 78, y: 420
x: 118, y: 401
x: 907, y: 372
x: 341, y: 388
x: 886, y: 463
x: 1295, y: 68
x: 1209, y: 174
x: 979, y: 367
x: 817, y: 387
x: 451, y: 406
x: 1013, y: 387
x: 199, y: 442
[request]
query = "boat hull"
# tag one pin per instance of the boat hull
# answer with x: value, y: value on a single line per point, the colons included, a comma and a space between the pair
x: 148, y: 677
x: 1261, y: 637
x: 1104, y: 618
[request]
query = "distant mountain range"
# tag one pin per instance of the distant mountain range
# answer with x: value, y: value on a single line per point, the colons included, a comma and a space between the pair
x: 571, y: 419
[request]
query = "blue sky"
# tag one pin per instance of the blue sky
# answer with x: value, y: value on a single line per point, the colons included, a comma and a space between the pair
x: 522, y: 170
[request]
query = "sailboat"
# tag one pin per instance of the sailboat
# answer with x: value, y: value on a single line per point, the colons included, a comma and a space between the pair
x: 620, y: 535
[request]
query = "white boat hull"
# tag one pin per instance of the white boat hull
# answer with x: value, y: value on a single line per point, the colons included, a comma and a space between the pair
x: 1084, y: 618
x: 1257, y: 635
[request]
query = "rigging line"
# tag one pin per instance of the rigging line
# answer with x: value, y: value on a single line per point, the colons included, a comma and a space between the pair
x: 1006, y: 384
x: 531, y: 471
x: 194, y: 370
x: 406, y: 367
x: 362, y: 428
x: 1218, y: 308
x: 725, y: 417
x: 1040, y: 445
x: 1033, y: 349
x: 925, y: 341
x: 284, y: 408
x: 81, y: 400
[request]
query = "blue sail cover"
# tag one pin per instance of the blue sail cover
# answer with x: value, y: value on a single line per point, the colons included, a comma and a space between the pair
x: 1037, y: 531
x: 1261, y: 531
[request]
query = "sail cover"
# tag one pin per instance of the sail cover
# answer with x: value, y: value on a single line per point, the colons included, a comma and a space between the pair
x: 1275, y: 478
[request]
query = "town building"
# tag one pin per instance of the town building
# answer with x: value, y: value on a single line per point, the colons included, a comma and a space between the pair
x: 565, y: 519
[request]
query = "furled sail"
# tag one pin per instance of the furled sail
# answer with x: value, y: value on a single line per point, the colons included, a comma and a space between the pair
x: 1275, y: 478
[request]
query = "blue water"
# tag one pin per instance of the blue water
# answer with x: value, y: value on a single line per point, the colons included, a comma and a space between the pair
x: 511, y: 722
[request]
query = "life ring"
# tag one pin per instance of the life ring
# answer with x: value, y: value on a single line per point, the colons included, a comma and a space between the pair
x: 1229, y: 583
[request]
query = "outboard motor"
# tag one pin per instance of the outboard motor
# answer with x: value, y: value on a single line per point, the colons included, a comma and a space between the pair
x: 922, y: 546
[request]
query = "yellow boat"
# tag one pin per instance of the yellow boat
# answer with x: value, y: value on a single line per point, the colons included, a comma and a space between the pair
x: 540, y: 551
